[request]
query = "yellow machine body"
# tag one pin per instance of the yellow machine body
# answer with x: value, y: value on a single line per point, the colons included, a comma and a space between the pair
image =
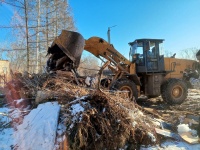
x: 179, y: 66
x: 149, y: 74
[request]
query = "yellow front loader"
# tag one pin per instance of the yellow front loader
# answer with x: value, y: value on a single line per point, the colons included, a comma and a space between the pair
x: 147, y: 72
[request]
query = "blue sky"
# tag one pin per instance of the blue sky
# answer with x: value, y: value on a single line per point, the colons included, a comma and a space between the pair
x: 5, y: 17
x: 176, y: 21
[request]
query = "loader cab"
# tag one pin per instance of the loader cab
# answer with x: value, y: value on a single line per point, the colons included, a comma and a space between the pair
x: 146, y: 54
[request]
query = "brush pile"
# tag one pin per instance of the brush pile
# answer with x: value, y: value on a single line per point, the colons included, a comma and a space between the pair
x: 93, y: 119
x: 98, y: 121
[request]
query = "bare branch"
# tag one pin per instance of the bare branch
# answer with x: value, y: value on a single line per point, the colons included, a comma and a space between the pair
x: 11, y: 4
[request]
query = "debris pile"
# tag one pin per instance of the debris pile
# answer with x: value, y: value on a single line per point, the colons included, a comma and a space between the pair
x: 98, y: 121
x: 93, y: 119
x: 179, y: 121
x: 195, y: 83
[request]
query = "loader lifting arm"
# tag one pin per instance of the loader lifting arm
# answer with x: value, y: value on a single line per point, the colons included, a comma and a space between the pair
x: 125, y: 77
x: 99, y: 47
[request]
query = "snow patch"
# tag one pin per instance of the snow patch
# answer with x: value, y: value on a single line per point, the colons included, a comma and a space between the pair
x: 173, y: 145
x: 195, y: 83
x: 183, y: 128
x: 151, y: 136
x: 76, y: 111
x: 15, y: 113
x: 87, y: 81
x: 61, y: 129
x: 38, y: 130
x: 19, y: 100
x: 6, y: 139
x: 4, y: 113
x: 76, y: 108
x: 134, y: 124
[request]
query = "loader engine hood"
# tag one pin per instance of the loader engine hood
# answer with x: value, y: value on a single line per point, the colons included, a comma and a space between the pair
x: 66, y: 49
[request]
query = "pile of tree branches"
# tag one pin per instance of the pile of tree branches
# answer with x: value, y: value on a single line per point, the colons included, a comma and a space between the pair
x: 98, y: 121
x: 93, y: 119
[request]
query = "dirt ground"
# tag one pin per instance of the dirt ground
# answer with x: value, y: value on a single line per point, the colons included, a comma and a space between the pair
x: 175, y: 114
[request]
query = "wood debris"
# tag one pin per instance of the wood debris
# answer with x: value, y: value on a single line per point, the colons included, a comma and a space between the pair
x: 94, y: 117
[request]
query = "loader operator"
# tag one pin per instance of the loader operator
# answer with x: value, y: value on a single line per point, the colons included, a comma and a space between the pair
x: 151, y: 53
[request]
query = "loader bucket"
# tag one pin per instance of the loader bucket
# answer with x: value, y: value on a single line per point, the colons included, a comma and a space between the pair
x: 72, y: 45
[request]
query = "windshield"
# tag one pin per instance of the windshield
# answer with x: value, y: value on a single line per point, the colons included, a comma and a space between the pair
x: 136, y: 48
x: 133, y: 49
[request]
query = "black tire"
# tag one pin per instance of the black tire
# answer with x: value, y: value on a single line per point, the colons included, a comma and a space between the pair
x: 126, y: 85
x: 174, y: 91
x: 106, y: 82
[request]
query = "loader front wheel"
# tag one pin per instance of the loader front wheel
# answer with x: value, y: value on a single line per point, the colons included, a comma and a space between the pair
x: 127, y: 89
x: 174, y: 91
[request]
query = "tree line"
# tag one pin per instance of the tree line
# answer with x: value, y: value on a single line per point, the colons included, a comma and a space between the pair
x: 34, y: 25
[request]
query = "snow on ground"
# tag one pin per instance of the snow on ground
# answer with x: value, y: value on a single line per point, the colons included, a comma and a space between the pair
x: 3, y: 115
x: 174, y: 145
x: 6, y: 139
x: 38, y: 130
x: 39, y: 127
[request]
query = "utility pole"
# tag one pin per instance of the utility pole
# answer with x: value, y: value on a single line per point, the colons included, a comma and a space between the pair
x: 108, y: 33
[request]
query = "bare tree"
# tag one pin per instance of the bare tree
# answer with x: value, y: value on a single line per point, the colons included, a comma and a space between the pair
x: 168, y: 53
x: 189, y: 53
x: 89, y: 66
x: 35, y: 25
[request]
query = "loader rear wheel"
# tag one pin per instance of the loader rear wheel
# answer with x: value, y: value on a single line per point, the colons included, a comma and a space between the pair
x: 127, y: 88
x: 174, y: 91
